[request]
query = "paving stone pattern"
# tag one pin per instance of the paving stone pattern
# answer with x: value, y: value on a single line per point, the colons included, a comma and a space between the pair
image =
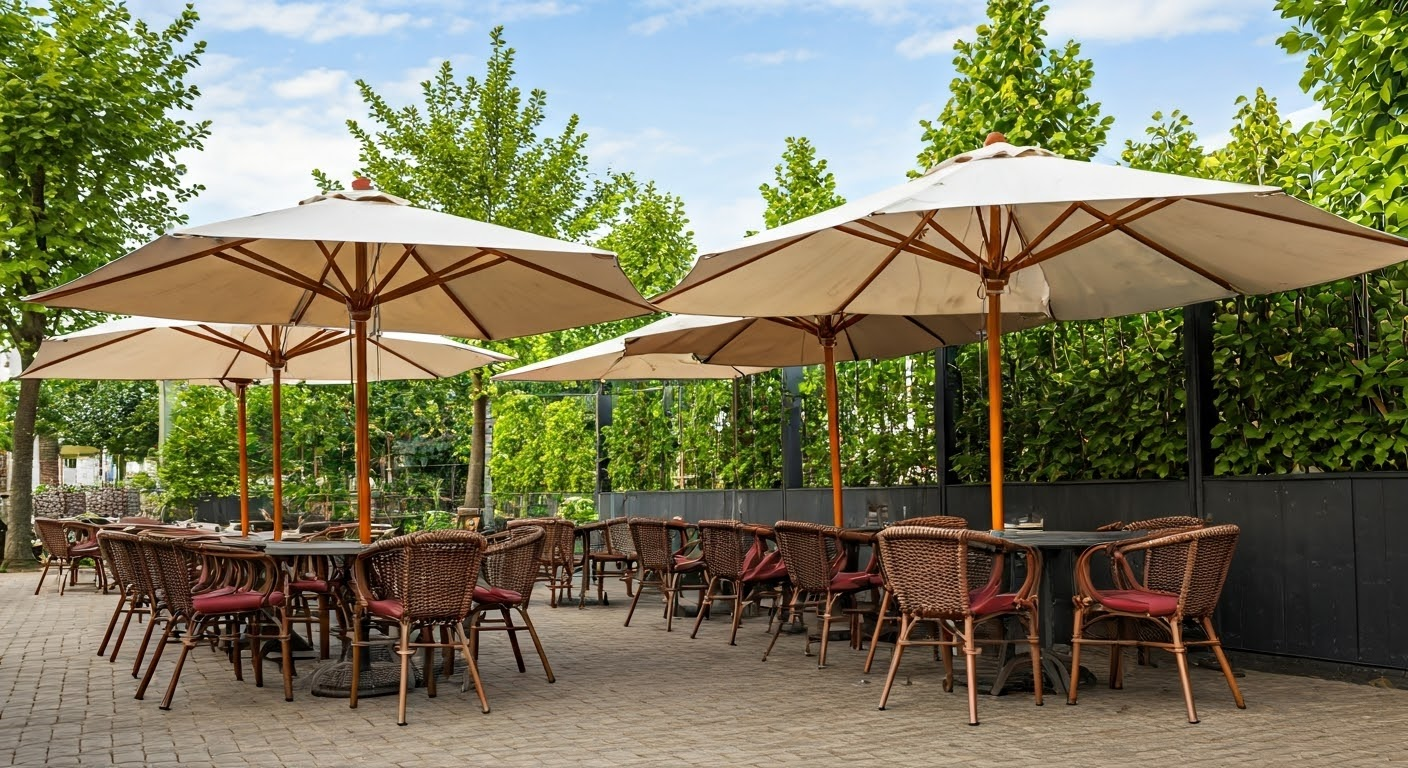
x: 636, y: 696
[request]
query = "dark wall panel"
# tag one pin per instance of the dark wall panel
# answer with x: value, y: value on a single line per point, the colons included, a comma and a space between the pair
x: 1381, y: 567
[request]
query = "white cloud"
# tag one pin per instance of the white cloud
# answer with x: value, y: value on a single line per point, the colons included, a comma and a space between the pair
x: 639, y: 151
x: 1308, y: 114
x: 503, y: 12
x: 1132, y: 20
x: 314, y: 22
x: 774, y: 58
x: 922, y: 44
x: 669, y: 13
x: 313, y: 84
x: 719, y: 223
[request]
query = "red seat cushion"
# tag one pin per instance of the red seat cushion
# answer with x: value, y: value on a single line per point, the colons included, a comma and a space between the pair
x: 987, y: 601
x: 850, y: 582
x: 1138, y: 601
x: 387, y: 609
x: 767, y: 570
x: 84, y: 550
x: 311, y: 585
x: 235, y: 602
x: 497, y: 596
x: 685, y: 565
x: 877, y: 581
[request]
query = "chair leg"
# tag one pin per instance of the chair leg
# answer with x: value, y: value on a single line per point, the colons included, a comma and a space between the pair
x: 1034, y: 649
x: 1216, y: 644
x: 946, y: 654
x: 146, y: 641
x: 1077, y: 640
x: 672, y: 581
x: 826, y: 628
x: 792, y: 613
x: 132, y: 608
x: 538, y: 644
x: 906, y: 624
x: 156, y: 656
x: 1180, y: 655
x: 43, y: 574
x: 970, y: 661
x: 186, y: 644
x: 879, y: 625
x: 737, y: 617
x: 256, y: 647
x: 356, y: 658
x: 404, y: 651
x: 286, y: 650
x: 62, y: 581
x: 708, y: 602
x: 473, y: 670
x: 512, y: 632
x: 634, y: 599
x: 112, y: 623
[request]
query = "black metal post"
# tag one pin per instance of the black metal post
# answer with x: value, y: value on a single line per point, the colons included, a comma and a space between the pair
x: 947, y: 383
x: 792, y: 428
x: 603, y: 419
x: 1198, y: 391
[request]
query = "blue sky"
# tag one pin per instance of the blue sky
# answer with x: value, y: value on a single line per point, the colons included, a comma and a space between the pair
x: 697, y: 95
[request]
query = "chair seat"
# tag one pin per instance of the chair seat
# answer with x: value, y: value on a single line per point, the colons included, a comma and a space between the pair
x: 321, y: 586
x: 387, y: 609
x: 496, y: 596
x: 688, y: 565
x: 988, y: 601
x: 1138, y: 601
x: 850, y: 582
x: 876, y: 581
x: 235, y: 602
x: 85, y: 549
x: 766, y: 570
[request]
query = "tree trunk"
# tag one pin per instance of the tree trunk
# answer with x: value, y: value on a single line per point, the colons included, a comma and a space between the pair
x: 50, y: 472
x: 474, y: 484
x: 19, y: 556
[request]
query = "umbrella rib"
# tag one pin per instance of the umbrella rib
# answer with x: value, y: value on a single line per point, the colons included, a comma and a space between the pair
x: 405, y: 255
x: 649, y: 308
x: 924, y: 222
x: 279, y: 272
x: 451, y: 295
x: 1041, y: 236
x: 62, y: 292
x: 377, y: 343
x: 306, y: 300
x: 330, y: 256
x: 1092, y: 232
x: 316, y: 342
x: 1164, y: 251
x: 81, y: 352
x: 679, y: 289
x: 916, y: 247
x: 961, y: 246
x: 1367, y: 234
x: 719, y: 348
x: 213, y: 336
x: 430, y: 278
x: 926, y: 329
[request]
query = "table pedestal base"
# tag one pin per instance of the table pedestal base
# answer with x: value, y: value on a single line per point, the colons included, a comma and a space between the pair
x: 381, y: 677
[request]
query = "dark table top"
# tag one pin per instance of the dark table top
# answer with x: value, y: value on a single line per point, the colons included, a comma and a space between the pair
x: 1067, y: 539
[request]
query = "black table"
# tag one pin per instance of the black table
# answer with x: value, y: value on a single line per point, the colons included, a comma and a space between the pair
x: 1059, y: 550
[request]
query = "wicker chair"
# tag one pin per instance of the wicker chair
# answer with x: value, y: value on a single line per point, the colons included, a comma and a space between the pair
x: 206, y: 587
x: 927, y: 569
x: 613, y: 548
x: 121, y: 554
x: 1205, y: 555
x: 735, y: 555
x: 883, y: 615
x: 67, y: 542
x: 418, y: 583
x: 662, y: 566
x: 509, y: 570
x: 558, y: 559
x: 814, y: 557
x: 315, y: 588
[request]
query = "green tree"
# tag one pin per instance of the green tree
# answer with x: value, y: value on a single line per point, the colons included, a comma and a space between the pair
x: 1171, y: 146
x: 474, y: 148
x: 119, y: 417
x: 91, y: 107
x: 804, y: 186
x: 198, y: 460
x: 1008, y: 80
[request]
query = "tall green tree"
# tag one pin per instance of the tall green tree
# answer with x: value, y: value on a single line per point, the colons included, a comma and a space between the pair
x: 91, y: 122
x: 1009, y: 80
x: 119, y: 417
x: 803, y: 185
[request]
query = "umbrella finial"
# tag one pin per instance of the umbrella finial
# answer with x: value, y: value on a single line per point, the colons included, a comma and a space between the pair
x: 361, y: 183
x: 994, y: 138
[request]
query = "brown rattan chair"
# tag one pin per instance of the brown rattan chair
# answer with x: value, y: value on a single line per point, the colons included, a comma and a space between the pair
x: 612, y: 546
x: 1205, y: 555
x: 205, y: 587
x: 662, y: 566
x: 418, y: 583
x: 67, y: 543
x: 509, y: 570
x: 120, y: 552
x: 558, y: 559
x: 883, y: 616
x: 927, y: 569
x: 814, y: 557
x: 736, y: 556
x: 315, y: 590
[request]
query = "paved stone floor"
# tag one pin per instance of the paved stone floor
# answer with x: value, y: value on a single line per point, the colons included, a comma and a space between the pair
x: 640, y: 697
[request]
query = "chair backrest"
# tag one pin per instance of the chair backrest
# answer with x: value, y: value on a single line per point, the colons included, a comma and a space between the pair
x: 618, y: 537
x: 652, y: 543
x: 559, y: 537
x: 1160, y: 523
x: 1163, y: 568
x: 936, y: 521
x: 171, y: 563
x: 810, y: 552
x: 725, y: 545
x: 430, y: 573
x: 511, y: 559
x: 1205, y: 556
x: 130, y: 562
x: 118, y: 556
x: 926, y: 568
x: 53, y: 535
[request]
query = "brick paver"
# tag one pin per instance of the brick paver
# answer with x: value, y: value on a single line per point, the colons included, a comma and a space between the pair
x: 640, y: 697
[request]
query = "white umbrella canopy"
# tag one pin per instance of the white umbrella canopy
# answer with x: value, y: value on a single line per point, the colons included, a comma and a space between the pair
x: 350, y: 254
x: 146, y: 348
x: 1007, y: 228
x: 608, y: 360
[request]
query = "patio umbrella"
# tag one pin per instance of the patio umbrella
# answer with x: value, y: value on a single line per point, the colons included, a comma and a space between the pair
x: 369, y: 257
x: 820, y: 340
x: 1007, y: 227
x: 148, y: 348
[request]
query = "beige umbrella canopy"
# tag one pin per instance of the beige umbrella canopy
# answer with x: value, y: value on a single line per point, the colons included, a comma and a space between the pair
x: 147, y: 348
x: 1008, y: 228
x: 608, y: 361
x: 369, y: 257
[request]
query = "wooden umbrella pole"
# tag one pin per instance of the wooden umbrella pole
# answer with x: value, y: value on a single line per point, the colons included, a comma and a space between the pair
x: 276, y: 416
x: 994, y: 334
x: 364, y: 443
x: 240, y: 387
x: 828, y: 344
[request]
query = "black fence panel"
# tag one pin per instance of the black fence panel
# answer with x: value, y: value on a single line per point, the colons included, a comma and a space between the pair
x: 1381, y: 569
